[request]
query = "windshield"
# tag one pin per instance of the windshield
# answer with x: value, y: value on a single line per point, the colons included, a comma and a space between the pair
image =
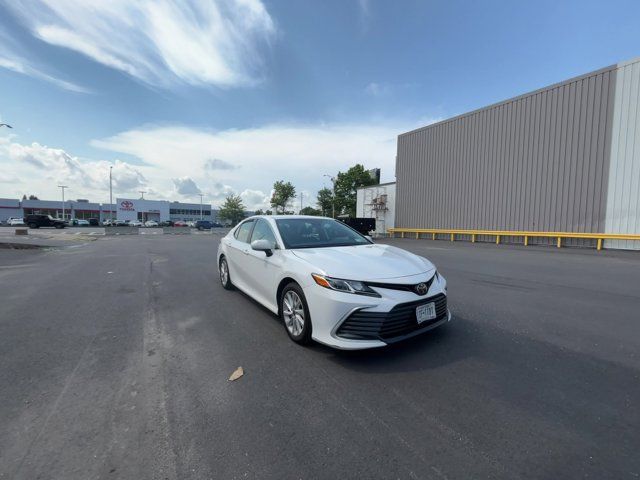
x: 317, y: 232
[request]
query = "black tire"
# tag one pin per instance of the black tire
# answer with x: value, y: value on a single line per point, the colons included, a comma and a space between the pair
x: 59, y: 227
x: 199, y: 229
x: 304, y: 336
x: 33, y: 225
x: 225, y: 281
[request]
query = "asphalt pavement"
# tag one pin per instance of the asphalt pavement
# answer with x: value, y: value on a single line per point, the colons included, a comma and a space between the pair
x: 116, y: 355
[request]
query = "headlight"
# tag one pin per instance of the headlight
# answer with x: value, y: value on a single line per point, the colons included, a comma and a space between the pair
x: 346, y: 286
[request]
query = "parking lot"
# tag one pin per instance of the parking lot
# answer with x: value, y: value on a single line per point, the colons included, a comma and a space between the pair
x: 116, y: 356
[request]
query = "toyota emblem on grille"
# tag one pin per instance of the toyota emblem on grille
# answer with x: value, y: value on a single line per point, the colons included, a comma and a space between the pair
x: 421, y: 288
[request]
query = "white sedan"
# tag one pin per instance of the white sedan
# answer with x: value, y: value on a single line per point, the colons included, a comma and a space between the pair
x: 15, y: 221
x: 331, y: 284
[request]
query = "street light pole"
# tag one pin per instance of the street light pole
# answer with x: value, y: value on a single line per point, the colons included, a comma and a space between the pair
x: 110, y: 194
x: 201, y: 195
x: 142, y: 192
x: 62, y: 187
x: 333, y: 196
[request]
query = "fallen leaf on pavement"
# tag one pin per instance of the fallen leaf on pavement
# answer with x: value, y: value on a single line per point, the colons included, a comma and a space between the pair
x: 236, y: 374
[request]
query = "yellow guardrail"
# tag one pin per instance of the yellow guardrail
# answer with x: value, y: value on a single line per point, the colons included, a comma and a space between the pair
x: 434, y: 232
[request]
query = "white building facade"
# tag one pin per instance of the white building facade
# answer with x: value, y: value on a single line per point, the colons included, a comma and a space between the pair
x: 141, y: 209
x: 379, y: 202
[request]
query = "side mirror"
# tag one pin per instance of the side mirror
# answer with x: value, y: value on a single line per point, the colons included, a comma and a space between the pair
x: 368, y: 237
x: 263, y: 245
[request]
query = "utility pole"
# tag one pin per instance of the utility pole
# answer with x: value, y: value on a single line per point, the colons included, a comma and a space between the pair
x: 333, y: 196
x: 62, y: 187
x: 142, y: 192
x: 110, y: 194
x: 201, y: 195
x: 301, y: 201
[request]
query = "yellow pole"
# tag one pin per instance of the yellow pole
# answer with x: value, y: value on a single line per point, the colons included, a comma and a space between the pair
x: 473, y: 238
x: 497, y: 239
x: 559, y: 242
x: 433, y: 236
x: 599, y: 244
x: 452, y: 237
x: 401, y: 234
x: 417, y: 235
x: 526, y: 240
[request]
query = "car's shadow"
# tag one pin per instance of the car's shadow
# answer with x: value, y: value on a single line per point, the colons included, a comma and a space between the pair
x: 444, y: 345
x: 441, y: 346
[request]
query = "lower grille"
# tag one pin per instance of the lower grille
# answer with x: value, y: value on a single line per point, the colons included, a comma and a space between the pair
x: 400, y: 321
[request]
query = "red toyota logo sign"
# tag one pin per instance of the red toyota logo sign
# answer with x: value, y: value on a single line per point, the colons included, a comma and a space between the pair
x: 126, y: 205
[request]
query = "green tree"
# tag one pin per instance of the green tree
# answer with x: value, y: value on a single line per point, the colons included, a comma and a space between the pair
x: 258, y: 212
x: 325, y: 201
x: 310, y: 211
x: 282, y: 195
x: 346, y: 185
x: 232, y: 209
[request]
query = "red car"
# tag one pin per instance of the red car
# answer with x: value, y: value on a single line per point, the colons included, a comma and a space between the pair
x: 179, y: 223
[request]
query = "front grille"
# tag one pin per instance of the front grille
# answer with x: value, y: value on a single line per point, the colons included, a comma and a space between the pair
x: 400, y: 321
x: 402, y: 286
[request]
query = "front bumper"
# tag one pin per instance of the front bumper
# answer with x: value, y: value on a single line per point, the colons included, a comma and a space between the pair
x: 350, y: 322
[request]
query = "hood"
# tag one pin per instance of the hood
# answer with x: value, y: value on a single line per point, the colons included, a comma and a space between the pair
x: 364, y: 262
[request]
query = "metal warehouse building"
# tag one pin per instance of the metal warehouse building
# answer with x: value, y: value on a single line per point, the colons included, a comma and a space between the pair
x: 565, y: 158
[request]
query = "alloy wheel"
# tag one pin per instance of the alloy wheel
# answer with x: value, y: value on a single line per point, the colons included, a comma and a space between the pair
x: 293, y: 312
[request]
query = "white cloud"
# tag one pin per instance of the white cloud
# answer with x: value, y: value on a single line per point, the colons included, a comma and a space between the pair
x: 185, y: 186
x: 297, y: 153
x: 175, y: 161
x: 39, y: 169
x: 376, y: 90
x: 254, y: 199
x: 196, y: 42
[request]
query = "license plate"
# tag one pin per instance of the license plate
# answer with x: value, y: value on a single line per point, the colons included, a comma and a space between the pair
x: 426, y: 312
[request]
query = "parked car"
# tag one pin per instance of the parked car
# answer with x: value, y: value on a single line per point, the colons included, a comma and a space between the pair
x: 329, y: 283
x: 15, y: 222
x: 191, y: 224
x: 83, y: 223
x: 166, y: 223
x: 38, y: 221
x: 150, y: 223
x: 135, y: 223
x: 94, y: 222
x: 216, y: 225
x: 120, y: 223
x: 203, y: 225
x: 179, y: 223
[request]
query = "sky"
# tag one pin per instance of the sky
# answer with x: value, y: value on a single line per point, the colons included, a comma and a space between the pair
x: 183, y: 97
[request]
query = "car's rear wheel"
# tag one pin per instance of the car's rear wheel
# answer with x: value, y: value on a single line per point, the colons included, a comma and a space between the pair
x: 33, y: 225
x: 295, y: 314
x: 225, y: 276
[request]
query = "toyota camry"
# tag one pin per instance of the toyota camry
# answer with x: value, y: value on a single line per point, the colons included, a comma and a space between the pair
x: 331, y: 284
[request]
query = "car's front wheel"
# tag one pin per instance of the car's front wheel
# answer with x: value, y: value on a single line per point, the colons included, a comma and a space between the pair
x: 295, y: 313
x: 225, y: 276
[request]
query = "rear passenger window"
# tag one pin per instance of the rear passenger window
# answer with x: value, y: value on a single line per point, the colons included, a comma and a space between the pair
x: 242, y: 234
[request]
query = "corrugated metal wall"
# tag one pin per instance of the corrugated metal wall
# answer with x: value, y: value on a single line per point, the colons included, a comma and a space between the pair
x: 623, y: 200
x: 535, y: 162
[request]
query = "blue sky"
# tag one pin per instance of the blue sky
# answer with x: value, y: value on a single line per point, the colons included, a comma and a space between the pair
x: 227, y: 96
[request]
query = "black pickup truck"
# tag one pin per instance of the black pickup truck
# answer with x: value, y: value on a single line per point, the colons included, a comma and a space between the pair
x: 37, y: 221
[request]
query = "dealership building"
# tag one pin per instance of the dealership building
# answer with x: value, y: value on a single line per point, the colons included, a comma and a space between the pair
x: 564, y: 158
x: 123, y: 209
